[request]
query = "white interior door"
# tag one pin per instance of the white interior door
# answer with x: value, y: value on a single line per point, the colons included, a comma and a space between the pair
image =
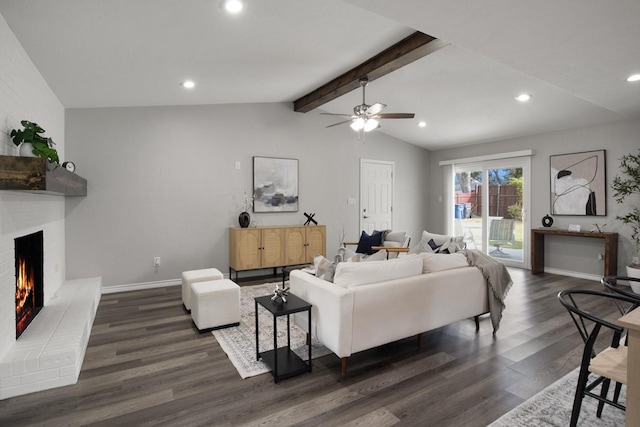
x: 376, y: 195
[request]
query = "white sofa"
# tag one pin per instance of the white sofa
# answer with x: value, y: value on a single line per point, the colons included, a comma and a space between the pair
x: 377, y: 302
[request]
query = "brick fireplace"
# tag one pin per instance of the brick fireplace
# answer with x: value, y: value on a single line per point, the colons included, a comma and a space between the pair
x: 50, y: 351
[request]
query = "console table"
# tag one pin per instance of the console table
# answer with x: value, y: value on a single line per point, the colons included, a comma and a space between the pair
x: 610, y: 248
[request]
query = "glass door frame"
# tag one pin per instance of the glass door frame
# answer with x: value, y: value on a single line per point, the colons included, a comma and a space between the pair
x: 484, y: 166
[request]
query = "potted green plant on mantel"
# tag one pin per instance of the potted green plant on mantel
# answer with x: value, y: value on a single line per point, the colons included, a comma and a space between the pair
x: 32, y: 143
x: 626, y: 189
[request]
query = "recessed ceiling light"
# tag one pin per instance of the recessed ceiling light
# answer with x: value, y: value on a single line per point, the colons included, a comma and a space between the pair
x: 233, y: 6
x: 188, y: 84
x: 633, y: 78
x: 422, y: 124
x: 523, y: 97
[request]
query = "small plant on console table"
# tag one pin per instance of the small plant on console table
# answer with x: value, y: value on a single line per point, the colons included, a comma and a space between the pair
x: 40, y: 146
x: 626, y: 189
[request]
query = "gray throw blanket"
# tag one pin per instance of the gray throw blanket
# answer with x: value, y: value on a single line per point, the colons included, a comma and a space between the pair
x: 498, y: 280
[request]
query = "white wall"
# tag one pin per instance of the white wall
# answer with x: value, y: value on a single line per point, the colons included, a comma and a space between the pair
x: 569, y: 254
x: 24, y: 95
x: 162, y: 182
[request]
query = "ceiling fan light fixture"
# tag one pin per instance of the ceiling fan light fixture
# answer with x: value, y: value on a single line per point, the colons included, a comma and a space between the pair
x: 633, y: 78
x: 370, y: 124
x: 358, y: 124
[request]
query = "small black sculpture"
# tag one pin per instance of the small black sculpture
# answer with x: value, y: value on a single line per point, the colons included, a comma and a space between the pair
x: 310, y: 219
x: 547, y: 221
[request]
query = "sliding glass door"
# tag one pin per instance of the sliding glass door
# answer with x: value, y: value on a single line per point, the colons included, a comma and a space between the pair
x: 490, y: 204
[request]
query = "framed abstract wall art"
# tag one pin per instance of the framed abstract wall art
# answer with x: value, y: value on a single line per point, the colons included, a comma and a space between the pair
x: 275, y: 184
x: 578, y: 183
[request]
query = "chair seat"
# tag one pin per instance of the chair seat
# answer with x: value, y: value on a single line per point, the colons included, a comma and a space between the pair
x: 611, y: 363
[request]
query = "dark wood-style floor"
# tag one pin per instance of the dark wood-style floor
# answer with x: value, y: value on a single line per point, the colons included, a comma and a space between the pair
x: 147, y: 365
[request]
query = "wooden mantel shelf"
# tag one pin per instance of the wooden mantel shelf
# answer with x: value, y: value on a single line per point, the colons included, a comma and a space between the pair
x: 35, y: 174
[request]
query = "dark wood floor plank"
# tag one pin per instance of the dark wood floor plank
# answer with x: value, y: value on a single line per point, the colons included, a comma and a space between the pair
x: 146, y: 364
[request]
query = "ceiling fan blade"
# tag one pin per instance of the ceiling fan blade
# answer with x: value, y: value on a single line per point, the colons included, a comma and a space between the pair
x: 395, y: 116
x: 375, y: 108
x: 336, y: 114
x: 339, y: 123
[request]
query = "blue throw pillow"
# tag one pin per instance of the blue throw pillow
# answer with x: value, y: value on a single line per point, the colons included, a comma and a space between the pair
x: 366, y: 241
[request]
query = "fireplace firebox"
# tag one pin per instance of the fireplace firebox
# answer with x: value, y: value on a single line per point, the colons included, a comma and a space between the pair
x: 29, y: 256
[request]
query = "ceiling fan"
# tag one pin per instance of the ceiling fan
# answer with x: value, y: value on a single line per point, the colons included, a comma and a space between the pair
x: 365, y: 117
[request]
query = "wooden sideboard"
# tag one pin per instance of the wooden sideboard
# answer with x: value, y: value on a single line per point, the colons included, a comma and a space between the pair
x: 272, y: 247
x: 610, y: 248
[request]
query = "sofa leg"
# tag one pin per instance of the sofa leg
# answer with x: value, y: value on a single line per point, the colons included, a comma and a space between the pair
x: 344, y: 366
x: 419, y: 340
x: 477, y: 319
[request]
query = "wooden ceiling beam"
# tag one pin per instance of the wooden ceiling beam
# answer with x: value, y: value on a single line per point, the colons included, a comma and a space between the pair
x: 412, y: 48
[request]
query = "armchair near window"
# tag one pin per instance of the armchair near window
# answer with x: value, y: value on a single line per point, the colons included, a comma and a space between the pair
x: 387, y: 245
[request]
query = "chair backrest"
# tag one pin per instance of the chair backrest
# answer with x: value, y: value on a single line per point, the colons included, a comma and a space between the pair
x: 612, y: 284
x: 588, y: 324
x: 502, y: 230
x: 397, y: 238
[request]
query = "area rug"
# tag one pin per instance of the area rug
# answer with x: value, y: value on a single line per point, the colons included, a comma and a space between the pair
x: 239, y: 342
x: 552, y: 407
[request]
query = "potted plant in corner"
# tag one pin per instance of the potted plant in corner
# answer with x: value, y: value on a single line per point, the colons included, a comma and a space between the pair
x: 626, y: 189
x: 32, y: 143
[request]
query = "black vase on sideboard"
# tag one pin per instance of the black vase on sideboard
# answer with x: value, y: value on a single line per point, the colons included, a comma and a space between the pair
x: 244, y: 219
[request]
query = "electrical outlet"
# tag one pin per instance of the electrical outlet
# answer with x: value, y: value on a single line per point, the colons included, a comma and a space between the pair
x: 635, y: 260
x: 156, y: 261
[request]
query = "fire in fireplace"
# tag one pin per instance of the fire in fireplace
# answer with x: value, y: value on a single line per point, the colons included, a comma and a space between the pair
x: 29, y: 279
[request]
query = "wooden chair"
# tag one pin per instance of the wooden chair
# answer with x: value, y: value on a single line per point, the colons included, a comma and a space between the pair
x: 398, y: 243
x: 610, y: 364
x: 501, y: 232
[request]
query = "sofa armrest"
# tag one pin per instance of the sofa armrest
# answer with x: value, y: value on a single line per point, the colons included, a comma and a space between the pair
x: 331, y: 312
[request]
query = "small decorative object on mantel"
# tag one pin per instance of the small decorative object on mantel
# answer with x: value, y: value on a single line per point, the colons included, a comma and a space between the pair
x: 244, y: 219
x: 598, y: 228
x: 547, y: 221
x: 310, y: 218
x: 32, y: 143
x: 574, y: 227
x: 70, y: 166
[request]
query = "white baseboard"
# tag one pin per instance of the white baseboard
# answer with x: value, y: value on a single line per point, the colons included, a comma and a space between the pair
x: 145, y: 285
x: 573, y: 274
x: 140, y: 286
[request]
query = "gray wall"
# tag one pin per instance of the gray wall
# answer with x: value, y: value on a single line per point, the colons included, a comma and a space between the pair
x: 162, y: 182
x: 569, y: 254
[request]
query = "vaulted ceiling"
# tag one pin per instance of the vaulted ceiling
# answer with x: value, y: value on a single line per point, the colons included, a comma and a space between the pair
x: 572, y: 56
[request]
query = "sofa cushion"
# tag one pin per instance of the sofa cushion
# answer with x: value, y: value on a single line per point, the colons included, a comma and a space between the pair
x: 325, y: 269
x: 360, y: 273
x: 432, y: 242
x: 366, y: 241
x: 440, y: 262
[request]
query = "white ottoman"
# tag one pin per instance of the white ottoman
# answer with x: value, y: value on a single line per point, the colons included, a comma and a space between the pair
x: 193, y: 276
x: 215, y: 304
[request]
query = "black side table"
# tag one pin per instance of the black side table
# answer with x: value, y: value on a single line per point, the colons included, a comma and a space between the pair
x: 283, y: 362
